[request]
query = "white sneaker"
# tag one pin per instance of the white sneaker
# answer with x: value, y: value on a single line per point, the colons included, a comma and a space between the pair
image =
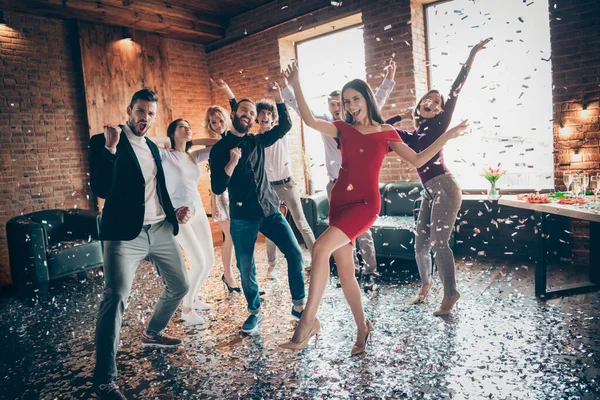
x: 273, y: 273
x: 191, y: 318
x: 199, y: 305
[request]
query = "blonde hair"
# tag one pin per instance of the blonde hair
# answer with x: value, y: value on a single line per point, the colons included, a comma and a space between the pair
x: 219, y: 112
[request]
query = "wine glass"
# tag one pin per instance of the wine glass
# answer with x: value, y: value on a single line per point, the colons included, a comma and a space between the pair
x: 568, y: 179
x: 585, y: 181
x: 576, y: 186
x: 595, y: 185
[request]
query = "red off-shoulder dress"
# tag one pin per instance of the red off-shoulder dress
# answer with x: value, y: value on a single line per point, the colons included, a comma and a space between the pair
x: 355, y: 199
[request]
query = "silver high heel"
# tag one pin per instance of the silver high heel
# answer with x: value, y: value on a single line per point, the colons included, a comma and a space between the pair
x: 420, y: 298
x: 446, y: 311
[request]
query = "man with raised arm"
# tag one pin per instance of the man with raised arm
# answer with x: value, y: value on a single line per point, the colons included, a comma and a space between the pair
x: 237, y: 163
x: 138, y: 222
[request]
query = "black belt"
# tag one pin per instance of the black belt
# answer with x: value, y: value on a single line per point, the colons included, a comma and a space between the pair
x: 281, y: 182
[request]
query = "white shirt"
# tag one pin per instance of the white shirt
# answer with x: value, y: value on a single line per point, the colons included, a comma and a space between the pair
x: 333, y: 155
x: 182, y: 174
x: 277, y: 161
x: 153, y: 211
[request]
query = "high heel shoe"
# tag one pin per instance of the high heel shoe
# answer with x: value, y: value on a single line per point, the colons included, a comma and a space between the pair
x: 356, y: 349
x: 420, y: 298
x: 231, y: 289
x: 301, y: 345
x: 446, y: 311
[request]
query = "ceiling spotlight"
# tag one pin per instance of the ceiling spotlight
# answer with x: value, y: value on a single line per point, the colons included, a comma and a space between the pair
x: 2, y: 20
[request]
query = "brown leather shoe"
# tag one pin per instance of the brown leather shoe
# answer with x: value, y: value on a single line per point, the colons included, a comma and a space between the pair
x: 160, y: 340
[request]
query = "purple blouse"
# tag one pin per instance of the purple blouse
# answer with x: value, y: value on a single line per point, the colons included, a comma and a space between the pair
x: 431, y: 129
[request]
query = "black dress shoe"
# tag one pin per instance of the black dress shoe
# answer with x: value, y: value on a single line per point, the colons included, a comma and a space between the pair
x: 109, y: 391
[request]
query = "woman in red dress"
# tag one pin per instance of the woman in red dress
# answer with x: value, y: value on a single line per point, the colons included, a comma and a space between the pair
x: 355, y: 201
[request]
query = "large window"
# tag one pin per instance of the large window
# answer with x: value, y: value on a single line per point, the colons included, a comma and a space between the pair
x: 508, y: 94
x: 327, y: 63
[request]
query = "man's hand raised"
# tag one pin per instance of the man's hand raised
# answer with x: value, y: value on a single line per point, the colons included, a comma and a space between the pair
x: 274, y: 90
x: 111, y: 136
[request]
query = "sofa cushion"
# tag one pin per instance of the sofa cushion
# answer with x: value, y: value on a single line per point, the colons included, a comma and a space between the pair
x: 53, y: 222
x: 394, y: 236
x: 66, y: 258
x: 399, y: 198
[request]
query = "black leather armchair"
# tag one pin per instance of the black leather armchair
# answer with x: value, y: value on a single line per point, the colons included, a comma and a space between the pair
x: 51, y: 244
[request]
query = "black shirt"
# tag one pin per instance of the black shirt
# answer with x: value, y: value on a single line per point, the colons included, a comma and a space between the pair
x: 250, y: 194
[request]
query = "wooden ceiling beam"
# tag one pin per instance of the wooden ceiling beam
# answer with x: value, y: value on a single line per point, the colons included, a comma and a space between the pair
x: 230, y: 8
x: 169, y: 9
x: 167, y: 25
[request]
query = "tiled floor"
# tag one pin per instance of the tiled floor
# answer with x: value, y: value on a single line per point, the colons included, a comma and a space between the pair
x: 502, y: 344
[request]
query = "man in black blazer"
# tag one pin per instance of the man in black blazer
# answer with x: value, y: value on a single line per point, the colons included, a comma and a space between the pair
x: 138, y: 222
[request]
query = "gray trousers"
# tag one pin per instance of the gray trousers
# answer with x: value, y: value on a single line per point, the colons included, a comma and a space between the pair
x: 121, y: 259
x: 290, y: 196
x: 365, y: 242
x: 441, y: 201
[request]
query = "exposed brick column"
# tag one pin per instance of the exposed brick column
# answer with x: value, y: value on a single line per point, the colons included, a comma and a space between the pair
x: 43, y: 123
x: 575, y: 44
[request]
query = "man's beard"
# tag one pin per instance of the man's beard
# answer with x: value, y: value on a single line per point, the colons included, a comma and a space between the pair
x: 133, y: 127
x: 238, y: 125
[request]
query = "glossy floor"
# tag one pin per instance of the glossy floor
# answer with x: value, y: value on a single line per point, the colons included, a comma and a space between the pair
x: 501, y: 344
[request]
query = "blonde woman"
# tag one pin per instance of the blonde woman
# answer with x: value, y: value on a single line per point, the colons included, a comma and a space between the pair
x: 217, y: 122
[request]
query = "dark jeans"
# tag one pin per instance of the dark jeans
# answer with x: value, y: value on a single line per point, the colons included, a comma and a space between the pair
x: 244, y: 234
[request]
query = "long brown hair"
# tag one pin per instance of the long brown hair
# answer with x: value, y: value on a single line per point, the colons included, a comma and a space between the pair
x: 171, y: 133
x: 365, y: 90
x: 417, y: 117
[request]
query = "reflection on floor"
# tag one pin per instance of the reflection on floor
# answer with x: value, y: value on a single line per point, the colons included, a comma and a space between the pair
x: 501, y: 344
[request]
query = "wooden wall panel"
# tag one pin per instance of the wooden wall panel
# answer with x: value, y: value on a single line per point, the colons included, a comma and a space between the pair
x: 115, y: 68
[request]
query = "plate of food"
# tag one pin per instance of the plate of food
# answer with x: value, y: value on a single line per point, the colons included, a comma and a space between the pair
x: 534, y: 198
x: 572, y: 200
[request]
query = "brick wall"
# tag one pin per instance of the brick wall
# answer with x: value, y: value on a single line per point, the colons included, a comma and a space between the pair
x: 43, y: 125
x: 575, y: 43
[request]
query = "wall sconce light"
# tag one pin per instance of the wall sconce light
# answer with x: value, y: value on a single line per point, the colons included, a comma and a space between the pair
x: 2, y: 20
x: 560, y: 115
x: 577, y: 157
x: 586, y: 100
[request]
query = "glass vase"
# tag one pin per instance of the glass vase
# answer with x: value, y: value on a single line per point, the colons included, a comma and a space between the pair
x: 493, y: 193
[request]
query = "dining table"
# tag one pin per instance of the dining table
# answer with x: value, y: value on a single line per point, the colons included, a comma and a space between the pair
x: 590, y: 211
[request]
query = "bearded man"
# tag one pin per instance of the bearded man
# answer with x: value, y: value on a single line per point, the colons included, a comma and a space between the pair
x: 237, y: 163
